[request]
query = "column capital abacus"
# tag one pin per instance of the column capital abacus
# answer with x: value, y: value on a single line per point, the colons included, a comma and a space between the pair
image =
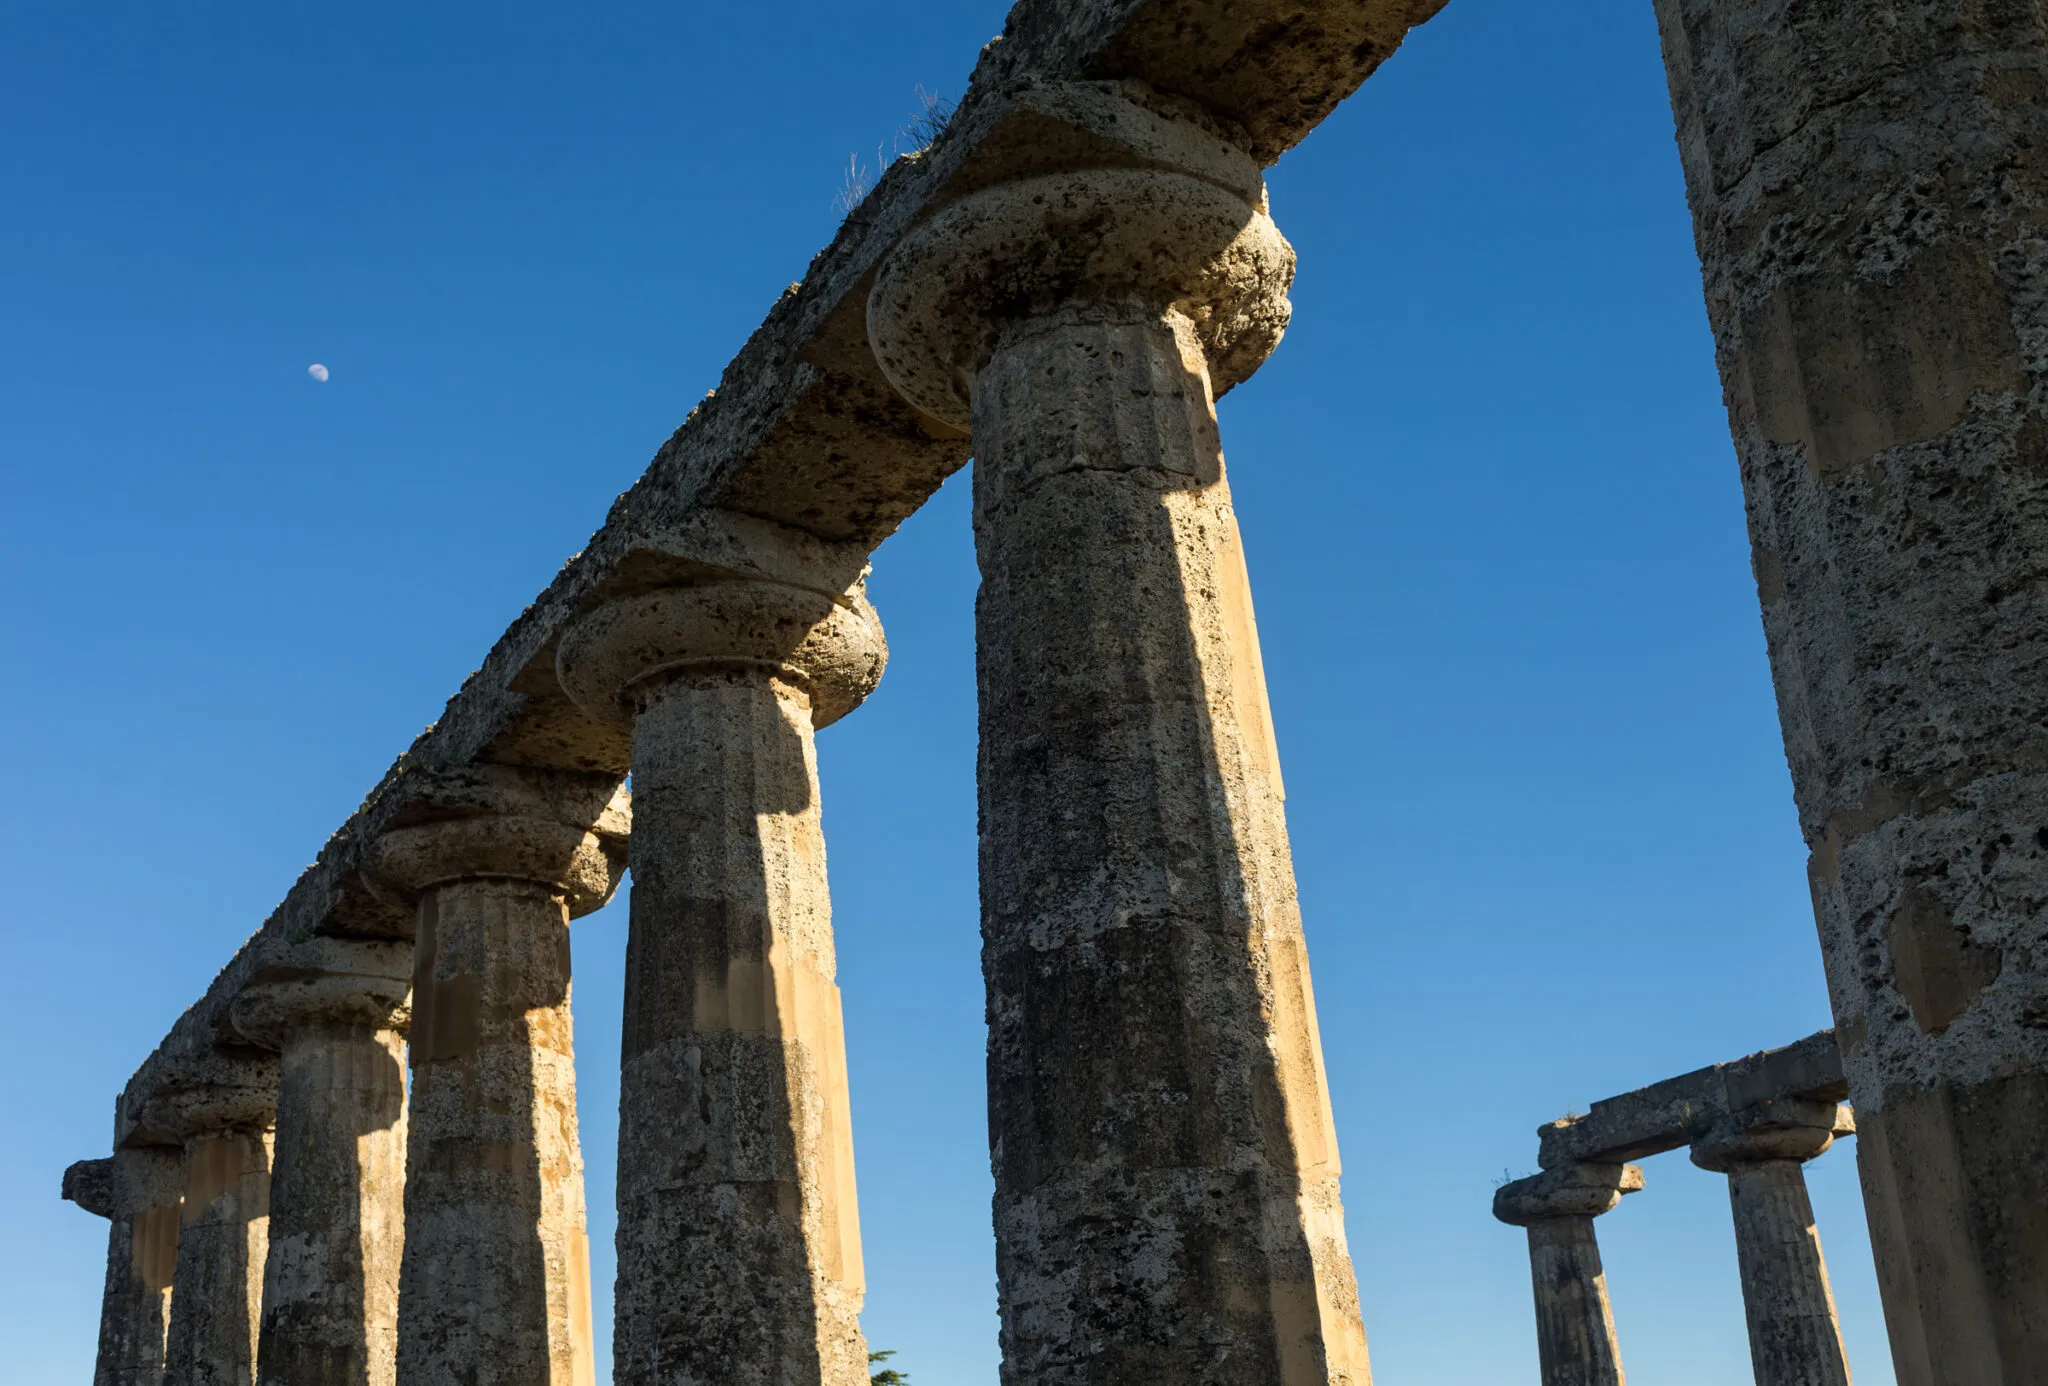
x: 1079, y: 241
x: 563, y: 830
x: 828, y: 644
x: 1785, y: 1128
x: 326, y: 982
x: 1569, y: 1191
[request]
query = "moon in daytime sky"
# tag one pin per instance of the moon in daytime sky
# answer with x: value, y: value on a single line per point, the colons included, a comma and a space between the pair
x: 318, y: 372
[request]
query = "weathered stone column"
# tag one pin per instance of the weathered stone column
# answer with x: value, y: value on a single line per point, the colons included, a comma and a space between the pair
x: 1166, y: 1170
x: 138, y: 1191
x: 222, y: 1108
x: 1794, y: 1339
x: 1869, y: 187
x: 337, y: 1189
x: 495, y: 1280
x: 1575, y: 1339
x: 739, y: 1239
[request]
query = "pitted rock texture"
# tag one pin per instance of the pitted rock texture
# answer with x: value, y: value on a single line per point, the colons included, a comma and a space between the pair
x: 1869, y: 187
x: 1166, y: 1169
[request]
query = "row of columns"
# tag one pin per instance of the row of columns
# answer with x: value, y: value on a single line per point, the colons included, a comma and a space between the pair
x: 1794, y: 1337
x: 1166, y: 1172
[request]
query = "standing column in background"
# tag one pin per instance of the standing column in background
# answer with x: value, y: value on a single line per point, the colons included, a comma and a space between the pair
x: 494, y: 1286
x: 1166, y: 1171
x: 1869, y: 189
x: 1574, y: 1322
x: 222, y: 1107
x: 138, y: 1191
x: 337, y: 1190
x: 739, y: 1239
x: 1794, y: 1339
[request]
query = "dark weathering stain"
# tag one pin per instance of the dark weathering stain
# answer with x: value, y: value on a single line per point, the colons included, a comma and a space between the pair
x: 1939, y: 970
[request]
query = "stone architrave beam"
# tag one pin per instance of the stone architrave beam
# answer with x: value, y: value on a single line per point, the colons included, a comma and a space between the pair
x: 804, y: 458
x: 1672, y: 1114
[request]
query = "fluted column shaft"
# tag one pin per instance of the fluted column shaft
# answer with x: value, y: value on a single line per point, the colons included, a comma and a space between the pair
x: 223, y: 1240
x: 138, y: 1191
x: 1166, y: 1169
x: 337, y: 1190
x: 496, y: 1274
x: 1868, y: 185
x: 1153, y: 1057
x: 494, y: 1285
x: 738, y: 1234
x: 739, y: 1237
x: 1794, y: 1337
x: 1575, y: 1339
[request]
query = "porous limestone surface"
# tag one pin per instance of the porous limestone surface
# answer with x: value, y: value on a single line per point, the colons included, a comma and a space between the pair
x: 1166, y: 1202
x: 1869, y: 189
x: 739, y: 1235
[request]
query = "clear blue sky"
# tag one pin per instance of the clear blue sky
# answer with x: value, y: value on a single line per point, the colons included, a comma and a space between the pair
x: 1540, y: 811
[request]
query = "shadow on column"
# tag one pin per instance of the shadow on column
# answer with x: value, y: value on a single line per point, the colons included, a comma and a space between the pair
x: 490, y: 989
x: 1155, y: 1080
x: 715, y: 1239
x: 308, y: 1339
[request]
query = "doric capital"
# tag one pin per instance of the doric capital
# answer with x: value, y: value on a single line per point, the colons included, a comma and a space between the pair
x: 561, y: 830
x: 1569, y: 1191
x: 326, y: 981
x: 90, y: 1184
x: 206, y: 1092
x: 126, y: 1182
x: 1090, y: 240
x: 1785, y: 1128
x: 830, y: 646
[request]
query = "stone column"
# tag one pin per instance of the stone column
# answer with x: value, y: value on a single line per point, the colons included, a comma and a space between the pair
x: 138, y: 1191
x: 1575, y: 1340
x: 1869, y: 188
x: 739, y: 1240
x: 495, y: 1281
x: 1794, y: 1339
x: 223, y: 1111
x: 1166, y: 1170
x: 330, y: 1288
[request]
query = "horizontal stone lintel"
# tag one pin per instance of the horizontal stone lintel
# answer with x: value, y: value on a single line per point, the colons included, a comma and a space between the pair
x: 1667, y: 1115
x: 804, y: 459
